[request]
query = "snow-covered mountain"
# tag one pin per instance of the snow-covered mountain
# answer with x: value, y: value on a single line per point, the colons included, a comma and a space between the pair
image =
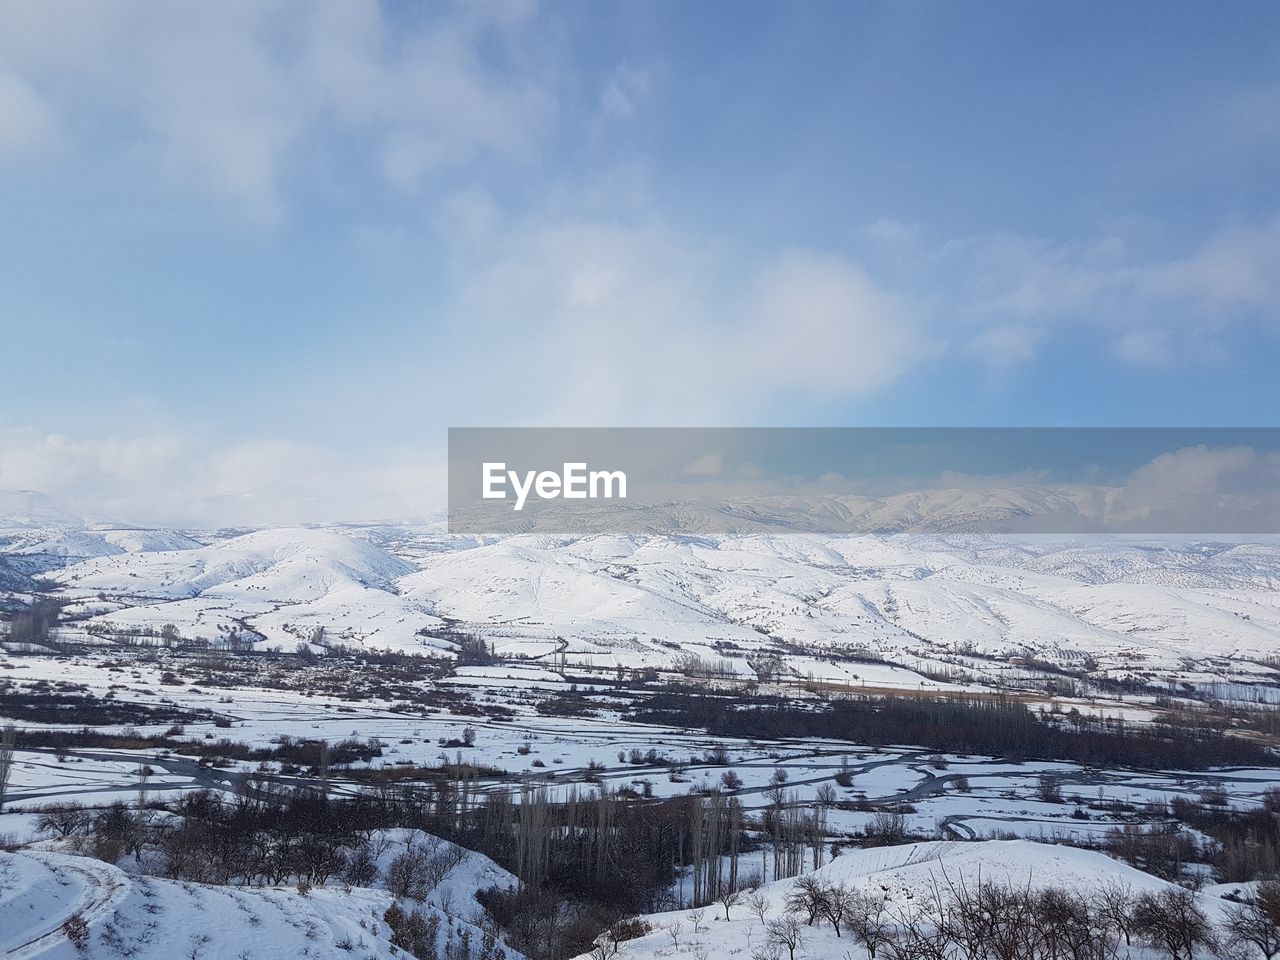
x: 278, y: 587
x: 1120, y: 605
x: 98, y: 541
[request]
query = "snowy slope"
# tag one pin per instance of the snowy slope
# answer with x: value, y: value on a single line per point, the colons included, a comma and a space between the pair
x: 900, y: 598
x: 81, y: 544
x: 1127, y: 604
x: 164, y: 919
x: 21, y: 509
x: 277, y: 584
x: 909, y: 876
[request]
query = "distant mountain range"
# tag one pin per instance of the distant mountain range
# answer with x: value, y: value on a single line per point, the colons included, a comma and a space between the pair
x: 963, y: 605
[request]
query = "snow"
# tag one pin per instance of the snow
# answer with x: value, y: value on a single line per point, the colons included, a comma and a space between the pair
x: 163, y: 919
x: 1198, y: 611
x: 908, y: 875
x: 908, y: 614
x: 40, y: 891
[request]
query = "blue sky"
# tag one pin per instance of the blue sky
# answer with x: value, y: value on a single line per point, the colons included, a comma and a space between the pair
x: 263, y: 254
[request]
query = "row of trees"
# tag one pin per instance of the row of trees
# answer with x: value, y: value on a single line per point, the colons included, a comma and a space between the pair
x: 8, y: 745
x: 585, y: 858
x: 997, y: 726
x: 34, y: 624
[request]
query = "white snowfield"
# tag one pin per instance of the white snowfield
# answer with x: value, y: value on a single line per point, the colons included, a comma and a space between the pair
x: 1208, y: 611
x: 163, y: 919
x: 911, y: 877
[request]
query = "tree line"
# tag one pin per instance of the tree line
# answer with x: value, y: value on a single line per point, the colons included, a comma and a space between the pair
x: 996, y: 726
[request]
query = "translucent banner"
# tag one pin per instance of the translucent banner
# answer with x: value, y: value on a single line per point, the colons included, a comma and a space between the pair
x: 689, y: 481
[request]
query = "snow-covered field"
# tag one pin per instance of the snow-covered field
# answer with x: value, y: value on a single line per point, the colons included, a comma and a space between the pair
x: 951, y: 796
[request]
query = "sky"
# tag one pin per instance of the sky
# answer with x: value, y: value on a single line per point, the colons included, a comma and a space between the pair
x: 256, y: 258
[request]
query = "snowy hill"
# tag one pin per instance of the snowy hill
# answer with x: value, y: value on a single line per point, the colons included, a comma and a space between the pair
x: 69, y: 545
x: 161, y: 919
x: 908, y: 877
x: 277, y: 586
x: 968, y: 602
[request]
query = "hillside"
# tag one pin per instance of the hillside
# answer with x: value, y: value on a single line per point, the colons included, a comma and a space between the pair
x: 909, y: 878
x: 1192, y: 611
x: 40, y: 892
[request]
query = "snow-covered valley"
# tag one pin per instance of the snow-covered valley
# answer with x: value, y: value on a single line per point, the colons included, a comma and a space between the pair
x: 394, y: 667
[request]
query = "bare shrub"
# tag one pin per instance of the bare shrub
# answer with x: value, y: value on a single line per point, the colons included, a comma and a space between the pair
x: 886, y: 830
x: 77, y: 931
x: 1172, y: 922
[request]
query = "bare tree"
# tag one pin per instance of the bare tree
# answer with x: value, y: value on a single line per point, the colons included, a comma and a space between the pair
x: 1114, y: 903
x: 886, y: 830
x: 674, y: 930
x: 1257, y: 920
x: 786, y: 933
x: 730, y: 896
x: 758, y: 904
x: 362, y: 867
x: 1172, y: 921
x: 1048, y: 789
x: 62, y: 819
x: 835, y: 904
x: 867, y: 917
x: 407, y: 876
x: 808, y: 896
x: 8, y: 738
x: 144, y: 774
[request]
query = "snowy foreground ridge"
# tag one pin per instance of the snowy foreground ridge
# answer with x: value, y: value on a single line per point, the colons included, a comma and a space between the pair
x: 41, y: 892
x: 903, y: 875
x: 56, y: 906
x: 125, y: 915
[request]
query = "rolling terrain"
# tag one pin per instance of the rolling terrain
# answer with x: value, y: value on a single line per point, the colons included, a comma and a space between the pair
x: 975, y: 606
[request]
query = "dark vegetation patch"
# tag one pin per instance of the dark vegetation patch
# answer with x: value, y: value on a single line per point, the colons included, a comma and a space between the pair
x: 33, y: 705
x: 997, y: 727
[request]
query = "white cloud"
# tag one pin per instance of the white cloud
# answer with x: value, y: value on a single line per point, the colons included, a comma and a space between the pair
x: 1145, y: 346
x: 1190, y: 488
x: 1006, y: 344
x: 184, y: 481
x: 232, y: 96
x: 823, y: 328
x: 24, y: 120
x: 588, y: 323
x: 622, y: 94
x: 1005, y: 293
